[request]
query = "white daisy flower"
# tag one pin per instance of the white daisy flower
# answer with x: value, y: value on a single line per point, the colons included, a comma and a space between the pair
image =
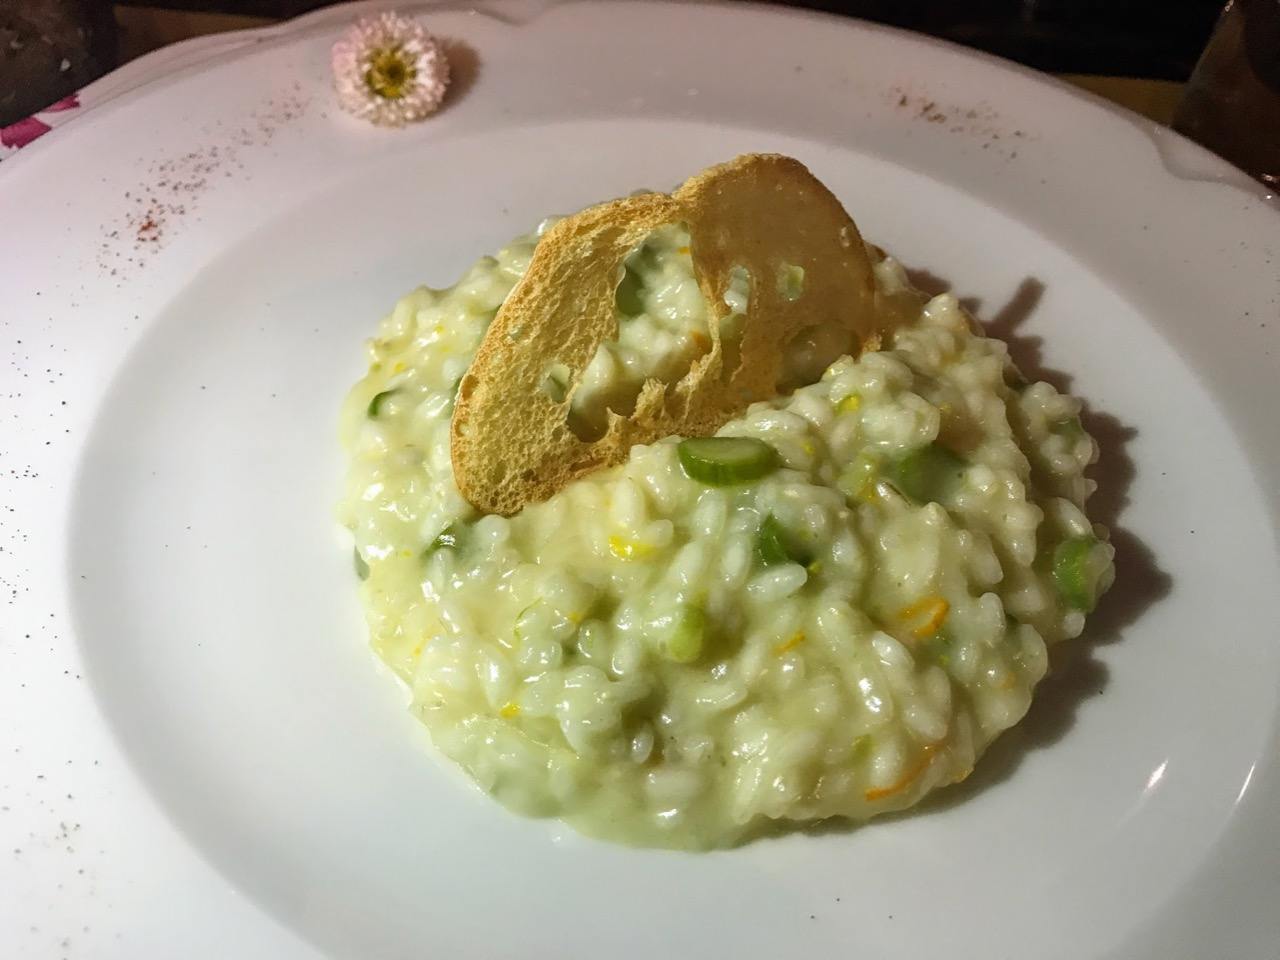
x: 389, y: 70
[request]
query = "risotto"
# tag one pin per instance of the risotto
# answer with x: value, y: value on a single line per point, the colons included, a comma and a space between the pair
x: 830, y: 609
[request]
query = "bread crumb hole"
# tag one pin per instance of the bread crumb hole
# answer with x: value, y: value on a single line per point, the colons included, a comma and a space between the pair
x: 790, y: 281
x: 556, y: 381
x: 737, y: 297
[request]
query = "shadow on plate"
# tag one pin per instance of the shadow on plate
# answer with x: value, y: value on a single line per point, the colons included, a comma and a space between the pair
x: 464, y: 68
x: 1076, y: 675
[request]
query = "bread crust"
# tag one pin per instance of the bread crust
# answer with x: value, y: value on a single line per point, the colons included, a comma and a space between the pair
x: 510, y: 440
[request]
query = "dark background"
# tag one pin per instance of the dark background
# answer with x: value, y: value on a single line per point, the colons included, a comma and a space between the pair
x: 49, y: 48
x: 1148, y: 38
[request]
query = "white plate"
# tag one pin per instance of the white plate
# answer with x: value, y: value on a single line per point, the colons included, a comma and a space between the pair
x: 200, y: 758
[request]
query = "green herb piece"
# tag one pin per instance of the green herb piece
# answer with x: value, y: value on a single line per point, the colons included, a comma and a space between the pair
x: 725, y: 461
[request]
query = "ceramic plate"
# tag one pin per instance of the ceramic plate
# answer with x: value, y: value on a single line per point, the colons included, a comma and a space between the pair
x: 199, y: 756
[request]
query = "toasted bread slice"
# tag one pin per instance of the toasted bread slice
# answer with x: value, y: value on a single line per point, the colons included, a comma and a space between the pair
x: 511, y: 443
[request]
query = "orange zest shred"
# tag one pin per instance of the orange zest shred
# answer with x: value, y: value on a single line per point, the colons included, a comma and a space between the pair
x: 849, y: 404
x: 927, y: 615
x: 625, y: 549
x: 791, y: 643
x: 880, y: 793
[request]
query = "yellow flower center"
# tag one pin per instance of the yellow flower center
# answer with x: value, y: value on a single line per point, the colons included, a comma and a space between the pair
x: 389, y: 74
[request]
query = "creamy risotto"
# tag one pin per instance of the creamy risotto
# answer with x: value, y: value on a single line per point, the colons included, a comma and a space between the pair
x: 831, y: 609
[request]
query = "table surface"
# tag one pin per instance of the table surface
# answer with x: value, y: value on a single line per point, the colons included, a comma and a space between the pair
x: 145, y: 28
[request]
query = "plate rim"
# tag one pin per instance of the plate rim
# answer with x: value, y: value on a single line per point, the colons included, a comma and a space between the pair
x: 253, y: 37
x: 155, y: 67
